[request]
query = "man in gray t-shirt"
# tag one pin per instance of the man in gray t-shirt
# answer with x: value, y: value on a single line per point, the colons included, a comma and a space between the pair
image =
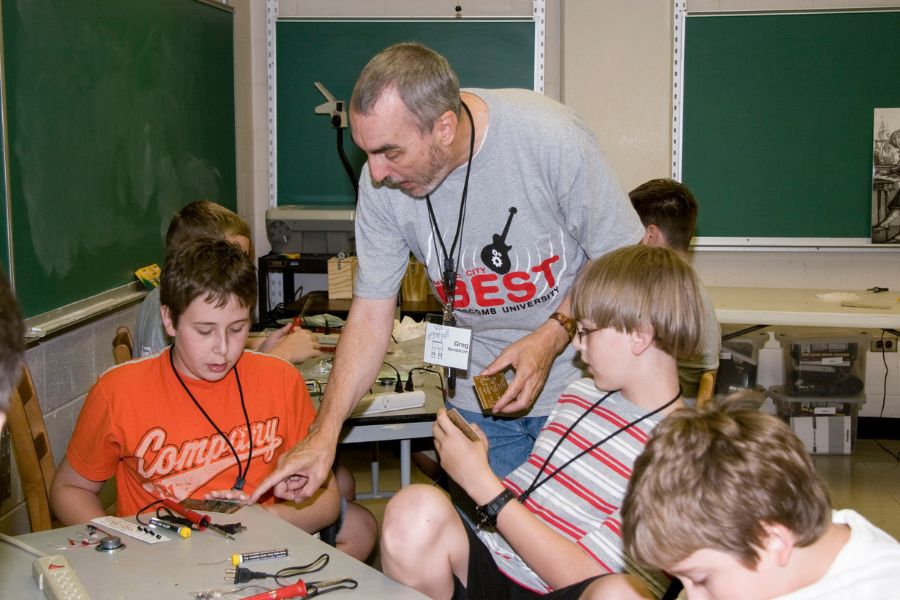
x: 513, y: 189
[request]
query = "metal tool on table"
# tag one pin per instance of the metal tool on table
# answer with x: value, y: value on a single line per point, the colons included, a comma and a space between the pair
x: 202, y: 522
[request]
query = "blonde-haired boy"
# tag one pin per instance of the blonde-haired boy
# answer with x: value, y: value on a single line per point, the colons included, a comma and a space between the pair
x: 552, y: 525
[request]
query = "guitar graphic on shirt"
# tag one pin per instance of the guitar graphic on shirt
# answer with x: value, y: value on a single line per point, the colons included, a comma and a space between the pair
x: 496, y: 254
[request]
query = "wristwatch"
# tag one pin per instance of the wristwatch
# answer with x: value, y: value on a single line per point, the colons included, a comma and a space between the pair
x: 567, y: 323
x: 487, y: 514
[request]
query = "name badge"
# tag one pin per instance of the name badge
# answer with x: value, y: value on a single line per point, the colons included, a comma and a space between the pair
x: 448, y: 346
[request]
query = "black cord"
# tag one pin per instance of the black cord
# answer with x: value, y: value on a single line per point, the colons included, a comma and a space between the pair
x: 398, y: 383
x: 242, y: 471
x: 896, y: 456
x: 428, y: 370
x: 137, y: 517
x: 243, y: 574
x: 347, y: 167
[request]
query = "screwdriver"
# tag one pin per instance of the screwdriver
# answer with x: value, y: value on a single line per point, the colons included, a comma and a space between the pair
x: 201, y: 521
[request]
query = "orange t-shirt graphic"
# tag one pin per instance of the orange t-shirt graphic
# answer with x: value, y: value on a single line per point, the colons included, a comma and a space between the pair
x: 139, y: 424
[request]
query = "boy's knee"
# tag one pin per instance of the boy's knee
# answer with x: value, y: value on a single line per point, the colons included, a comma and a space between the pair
x: 413, y: 516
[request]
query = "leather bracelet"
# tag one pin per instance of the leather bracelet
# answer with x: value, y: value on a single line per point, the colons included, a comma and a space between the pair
x: 487, y: 514
x: 567, y: 323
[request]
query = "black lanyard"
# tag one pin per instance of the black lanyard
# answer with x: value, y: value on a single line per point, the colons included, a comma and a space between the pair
x: 242, y: 471
x: 535, y: 484
x: 448, y: 275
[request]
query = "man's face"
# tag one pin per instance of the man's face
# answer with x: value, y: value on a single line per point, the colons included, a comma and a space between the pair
x: 208, y: 340
x: 400, y: 156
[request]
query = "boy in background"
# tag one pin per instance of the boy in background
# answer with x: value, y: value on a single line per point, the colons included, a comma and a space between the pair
x: 12, y: 345
x: 552, y: 525
x: 668, y: 211
x: 199, y: 419
x: 726, y: 498
x: 205, y: 218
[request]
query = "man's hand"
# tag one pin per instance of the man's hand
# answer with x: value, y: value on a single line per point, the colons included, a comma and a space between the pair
x: 531, y: 357
x: 301, y: 471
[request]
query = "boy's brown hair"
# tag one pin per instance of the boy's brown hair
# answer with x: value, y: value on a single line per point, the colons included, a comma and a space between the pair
x: 204, y: 218
x: 209, y: 267
x: 670, y: 206
x: 639, y: 286
x: 711, y: 478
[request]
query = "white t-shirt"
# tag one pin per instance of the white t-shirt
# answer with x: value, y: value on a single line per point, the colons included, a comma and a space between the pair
x: 868, y: 566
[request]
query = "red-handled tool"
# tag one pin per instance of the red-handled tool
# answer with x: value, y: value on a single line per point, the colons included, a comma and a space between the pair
x: 295, y: 323
x: 304, y: 590
x: 296, y: 590
x: 201, y: 521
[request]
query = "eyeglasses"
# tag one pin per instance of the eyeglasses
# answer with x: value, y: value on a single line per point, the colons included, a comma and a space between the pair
x: 584, y: 332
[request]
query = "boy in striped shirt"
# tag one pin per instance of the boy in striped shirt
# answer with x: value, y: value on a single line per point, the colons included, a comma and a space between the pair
x: 552, y: 528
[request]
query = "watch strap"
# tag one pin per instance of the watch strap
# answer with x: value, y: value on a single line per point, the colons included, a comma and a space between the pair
x: 488, y: 513
x: 567, y: 323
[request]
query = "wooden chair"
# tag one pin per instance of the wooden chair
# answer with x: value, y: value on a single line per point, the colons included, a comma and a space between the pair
x: 34, y: 456
x: 123, y: 345
x: 706, y: 387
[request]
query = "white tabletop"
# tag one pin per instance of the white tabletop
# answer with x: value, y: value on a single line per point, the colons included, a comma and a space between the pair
x: 173, y: 569
x: 801, y: 307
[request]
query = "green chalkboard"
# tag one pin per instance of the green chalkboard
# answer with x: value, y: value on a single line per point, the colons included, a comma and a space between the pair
x: 492, y: 54
x: 118, y: 113
x: 778, y: 120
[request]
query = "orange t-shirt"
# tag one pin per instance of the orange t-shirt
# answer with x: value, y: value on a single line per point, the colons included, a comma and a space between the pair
x: 139, y: 424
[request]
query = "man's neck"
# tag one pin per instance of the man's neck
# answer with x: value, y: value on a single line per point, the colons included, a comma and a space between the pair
x: 462, y: 139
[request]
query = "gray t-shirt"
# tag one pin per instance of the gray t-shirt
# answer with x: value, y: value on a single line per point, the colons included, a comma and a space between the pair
x: 690, y: 370
x: 149, y: 335
x: 539, y: 158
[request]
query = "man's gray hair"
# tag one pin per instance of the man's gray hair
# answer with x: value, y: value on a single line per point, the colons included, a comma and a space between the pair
x: 422, y: 78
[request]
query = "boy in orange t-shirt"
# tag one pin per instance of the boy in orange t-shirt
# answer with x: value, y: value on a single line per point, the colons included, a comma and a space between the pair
x: 202, y: 419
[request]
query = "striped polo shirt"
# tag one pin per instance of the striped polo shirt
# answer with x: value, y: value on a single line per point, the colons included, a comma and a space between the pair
x: 582, y: 501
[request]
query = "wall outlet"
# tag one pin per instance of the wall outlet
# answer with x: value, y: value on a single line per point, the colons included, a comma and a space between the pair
x: 886, y: 344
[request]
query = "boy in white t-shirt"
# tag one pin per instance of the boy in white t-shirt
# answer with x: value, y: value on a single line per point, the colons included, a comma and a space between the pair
x: 726, y: 499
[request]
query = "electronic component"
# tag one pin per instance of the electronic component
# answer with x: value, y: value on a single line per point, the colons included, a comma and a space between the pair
x: 57, y: 579
x: 128, y: 528
x: 489, y: 389
x: 462, y: 424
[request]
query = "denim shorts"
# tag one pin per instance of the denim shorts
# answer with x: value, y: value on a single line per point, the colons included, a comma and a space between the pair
x: 511, y: 440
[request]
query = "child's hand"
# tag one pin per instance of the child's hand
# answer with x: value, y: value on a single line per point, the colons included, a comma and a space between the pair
x: 295, y: 346
x: 234, y: 495
x: 463, y: 459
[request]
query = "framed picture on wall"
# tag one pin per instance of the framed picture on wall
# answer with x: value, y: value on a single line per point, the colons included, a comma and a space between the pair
x: 886, y: 177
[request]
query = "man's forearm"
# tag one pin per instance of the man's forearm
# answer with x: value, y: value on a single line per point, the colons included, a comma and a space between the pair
x: 357, y: 361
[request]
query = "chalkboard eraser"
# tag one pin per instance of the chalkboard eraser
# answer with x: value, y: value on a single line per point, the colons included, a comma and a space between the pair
x: 149, y: 276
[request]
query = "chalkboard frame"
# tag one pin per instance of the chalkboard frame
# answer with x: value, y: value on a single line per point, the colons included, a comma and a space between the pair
x: 681, y: 128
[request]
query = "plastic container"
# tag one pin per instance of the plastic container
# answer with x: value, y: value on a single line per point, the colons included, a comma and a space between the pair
x: 825, y: 424
x: 770, y: 369
x: 826, y: 366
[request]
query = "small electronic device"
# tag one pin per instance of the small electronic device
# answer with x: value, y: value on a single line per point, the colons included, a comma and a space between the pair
x: 57, y: 579
x: 489, y: 389
x: 462, y: 424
